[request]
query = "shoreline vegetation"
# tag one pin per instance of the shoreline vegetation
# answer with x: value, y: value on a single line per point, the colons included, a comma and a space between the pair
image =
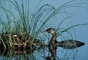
x: 22, y: 35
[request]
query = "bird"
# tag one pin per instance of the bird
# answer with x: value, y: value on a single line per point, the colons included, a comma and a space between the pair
x: 70, y: 44
x: 67, y: 44
x: 52, y: 42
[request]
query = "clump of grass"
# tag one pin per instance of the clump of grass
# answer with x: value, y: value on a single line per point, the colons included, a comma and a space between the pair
x: 32, y: 24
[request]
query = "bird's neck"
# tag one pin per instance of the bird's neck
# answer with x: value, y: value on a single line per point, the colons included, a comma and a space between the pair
x: 53, y: 39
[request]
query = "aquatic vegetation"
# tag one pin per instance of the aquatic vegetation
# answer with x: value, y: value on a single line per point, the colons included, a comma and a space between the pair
x: 22, y: 34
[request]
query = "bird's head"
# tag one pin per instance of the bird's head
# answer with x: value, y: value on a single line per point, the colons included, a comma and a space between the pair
x: 50, y: 30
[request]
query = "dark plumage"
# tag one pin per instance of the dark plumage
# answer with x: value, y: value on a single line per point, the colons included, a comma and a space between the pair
x: 70, y: 44
x: 52, y: 42
x: 67, y: 44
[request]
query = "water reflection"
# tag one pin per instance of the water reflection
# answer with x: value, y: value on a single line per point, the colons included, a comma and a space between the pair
x: 23, y: 51
x: 40, y: 54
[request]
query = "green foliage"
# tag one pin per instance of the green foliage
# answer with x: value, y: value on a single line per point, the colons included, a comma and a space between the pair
x: 34, y: 23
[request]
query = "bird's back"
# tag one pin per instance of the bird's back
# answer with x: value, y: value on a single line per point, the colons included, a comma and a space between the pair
x: 70, y: 44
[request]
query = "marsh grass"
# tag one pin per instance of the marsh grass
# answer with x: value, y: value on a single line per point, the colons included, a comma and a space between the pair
x: 33, y: 24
